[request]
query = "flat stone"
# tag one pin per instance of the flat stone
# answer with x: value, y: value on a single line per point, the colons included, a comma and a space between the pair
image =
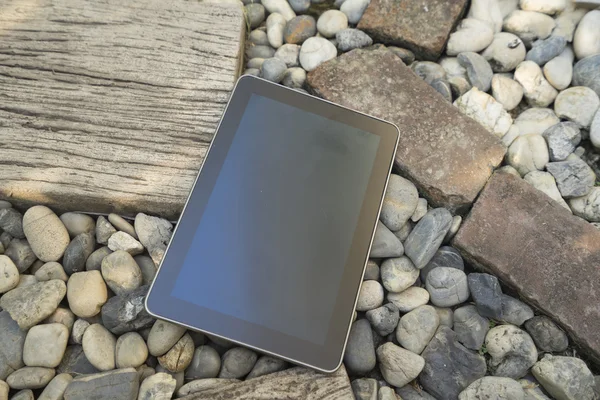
x: 77, y: 223
x: 574, y: 177
x: 398, y: 366
x: 385, y: 243
x: 546, y: 334
x: 449, y: 366
x: 25, y: 394
x: 500, y: 227
x: 384, y: 319
x: 544, y: 50
x: 75, y: 362
x: 237, y: 363
x: 360, y: 357
x: 117, y: 384
x: 470, y: 327
x: 578, y: 104
x: 565, y: 378
x: 403, y: 23
x: 417, y: 327
x: 562, y: 138
x: 493, y: 387
x: 159, y: 386
x: 127, y: 313
x: 30, y: 378
x: 206, y: 363
x: 587, y: 73
x: 30, y: 305
x: 45, y: 345
x: 484, y: 109
x: 21, y: 254
x: 425, y: 239
x: 487, y: 294
x: 124, y: 241
x: 122, y: 224
x: 56, y: 388
x: 458, y: 149
x: 12, y: 339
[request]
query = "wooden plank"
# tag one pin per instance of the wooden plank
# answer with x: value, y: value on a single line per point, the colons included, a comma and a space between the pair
x: 109, y: 106
x: 292, y: 384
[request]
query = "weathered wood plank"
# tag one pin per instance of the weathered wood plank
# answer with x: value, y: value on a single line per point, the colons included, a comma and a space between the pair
x: 292, y: 384
x: 109, y: 106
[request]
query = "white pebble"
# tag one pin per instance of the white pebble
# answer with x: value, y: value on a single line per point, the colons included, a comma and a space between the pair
x: 315, y: 51
x: 506, y: 91
x: 550, y: 7
x: 528, y: 153
x: 331, y: 22
x: 566, y: 23
x: 470, y: 35
x: 453, y: 67
x: 578, y: 104
x: 279, y: 6
x: 595, y: 130
x: 370, y: 296
x: 559, y: 70
x: 505, y: 52
x: 487, y: 11
x: 537, y: 90
x: 545, y: 182
x: 587, y: 36
x: 529, y: 25
x: 275, y: 26
x: 484, y: 109
x: 536, y: 121
x: 9, y: 274
x: 354, y: 9
x: 510, y: 136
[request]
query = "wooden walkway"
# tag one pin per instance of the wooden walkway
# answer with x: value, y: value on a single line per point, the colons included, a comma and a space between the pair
x: 109, y: 106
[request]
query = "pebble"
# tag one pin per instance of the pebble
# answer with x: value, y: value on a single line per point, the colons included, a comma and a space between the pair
x: 163, y: 337
x: 587, y: 73
x: 94, y: 261
x: 459, y: 86
x: 484, y: 109
x: 237, y: 363
x: 118, y: 384
x: 300, y: 28
x: 562, y: 138
x: 487, y: 294
x: 567, y: 21
x: 121, y: 223
x: 528, y: 153
x: 5, y: 239
x: 545, y: 182
x: 255, y: 14
x: 45, y: 345
x: 512, y: 351
x: 30, y: 305
x: 11, y: 222
x: 251, y: 71
x: 121, y: 272
x: 529, y: 25
x: 398, y: 366
x: 574, y: 177
x: 124, y: 241
x: 288, y: 53
x: 104, y: 230
x: 86, y: 293
x: 56, y: 388
x: 130, y: 350
x: 77, y: 223
x: 30, y: 378
x: 315, y: 51
x: 578, y: 104
x: 385, y: 243
x: 446, y: 316
x: 179, y: 357
x: 75, y: 362
x: 206, y: 363
x: 279, y: 6
x: 160, y: 386
x: 62, y: 316
x: 471, y: 35
x: 565, y: 378
x: 154, y: 233
x: 536, y: 121
x: 360, y: 357
x: 371, y: 271
x: 331, y: 22
x: 11, y: 345
x: 544, y: 50
x: 203, y: 384
x: 452, y: 67
x: 407, y: 56
x: 449, y: 366
x: 254, y: 51
x: 421, y: 209
x: 546, y: 334
x: 506, y: 91
x: 417, y: 327
x: 447, y: 287
x: 586, y: 41
x: 294, y: 77
x: 492, y: 387
x: 9, y: 274
x: 515, y: 311
x: 45, y: 233
x: 478, y: 69
x: 99, y: 347
x: 266, y: 365
x: 78, y: 330
x: 26, y: 280
x: 77, y: 253
x: 258, y: 37
x: 354, y: 9
x: 384, y: 319
x: 427, y: 236
x: 370, y: 296
x: 470, y: 327
x: 595, y: 130
x: 400, y: 201
x: 26, y: 394
x: 350, y: 39
x: 273, y: 69
x: 398, y: 274
x: 409, y: 299
x: 559, y: 70
x: 127, y: 313
x: 550, y: 7
x: 48, y: 271
x: 487, y: 11
x: 403, y: 233
x: 537, y: 90
x: 365, y: 389
x: 408, y: 392
x: 588, y: 206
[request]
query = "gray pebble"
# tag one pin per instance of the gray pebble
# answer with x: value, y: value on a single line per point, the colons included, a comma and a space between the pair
x: 5, y: 239
x: 446, y: 256
x: 385, y: 243
x: 11, y: 221
x: 5, y: 204
x: 410, y: 299
x: 78, y: 330
x: 398, y: 366
x: 428, y: 71
x: 288, y: 53
x: 300, y: 28
x: 21, y: 254
x: 130, y: 350
x: 77, y: 253
x: 427, y: 236
x: 443, y: 87
x: 30, y: 378
x: 255, y: 63
x: 117, y: 384
x: 371, y: 271
x: 574, y: 177
x: 398, y: 274
x: 127, y: 313
x: 512, y: 350
x: 399, y: 203
x: 446, y: 316
x: 587, y: 73
x: 459, y: 86
x: 384, y: 319
x: 544, y: 50
x: 154, y: 233
x: 259, y: 38
x: 266, y: 365
x: 407, y: 56
x: 470, y: 327
x: 147, y: 267
x: 479, y: 71
x: 206, y: 363
x: 403, y: 232
x: 26, y: 394
x: 562, y: 140
x: 49, y: 271
x: 77, y: 223
x: 258, y: 51
x: 160, y: 386
x: 45, y: 345
x: 354, y: 9
x: 26, y: 280
x: 546, y: 334
x: 408, y: 392
x: 74, y: 362
x: 360, y: 352
x: 32, y: 304
x: 299, y: 6
x: 56, y: 388
x: 565, y: 378
x: 370, y: 296
x: 515, y: 311
x: 11, y: 345
x: 350, y: 39
x: 124, y: 241
x: 447, y: 287
x: 251, y: 71
x: 294, y: 77
x: 491, y: 387
x: 255, y: 14
x: 237, y: 363
x: 273, y: 69
x: 104, y: 230
x: 122, y: 224
x: 365, y: 388
x: 9, y: 274
x: 94, y: 261
x: 487, y: 294
x: 416, y: 328
x: 99, y: 347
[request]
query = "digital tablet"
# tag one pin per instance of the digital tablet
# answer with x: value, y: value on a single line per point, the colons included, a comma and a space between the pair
x: 272, y: 244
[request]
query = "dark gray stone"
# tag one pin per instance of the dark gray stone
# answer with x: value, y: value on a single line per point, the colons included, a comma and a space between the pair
x: 449, y: 366
x: 117, y: 384
x: 21, y: 254
x: 562, y: 140
x: 5, y: 239
x: 479, y: 71
x: 237, y: 362
x: 427, y: 236
x: 127, y: 313
x: 443, y: 87
x: 104, y: 230
x: 11, y: 221
x: 546, y: 335
x: 350, y: 39
x: 470, y: 327
x: 77, y: 253
x: 147, y: 267
x: 360, y: 353
x: 365, y: 389
x: 574, y: 178
x: 487, y: 294
x: 371, y: 271
x: 255, y: 14
x: 74, y: 362
x: 300, y: 28
x: 587, y: 73
x: 446, y: 256
x: 544, y: 50
x: 12, y: 340
x: 384, y: 319
x: 266, y: 365
x: 385, y: 243
x: 515, y: 311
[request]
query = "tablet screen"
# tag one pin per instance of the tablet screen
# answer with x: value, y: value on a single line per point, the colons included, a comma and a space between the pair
x: 274, y: 237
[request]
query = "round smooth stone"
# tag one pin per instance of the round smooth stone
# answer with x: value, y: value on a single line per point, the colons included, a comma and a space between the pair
x: 121, y: 223
x: 45, y: 345
x: 417, y: 327
x: 77, y: 253
x: 447, y: 287
x: 398, y: 366
x: 545, y: 182
x: 528, y: 153
x: 452, y: 67
x: 206, y: 363
x: 273, y: 69
x: 537, y: 90
x: 259, y: 38
x: 535, y: 121
x: 94, y: 261
x: 331, y: 22
x: 255, y: 14
x: 130, y: 350
x: 163, y: 337
x: 257, y: 51
x: 512, y: 350
x: 26, y: 280
x: 267, y: 365
x: 544, y: 50
x: 316, y: 51
x: 160, y: 386
x: 300, y: 28
x: 279, y: 6
x: 99, y: 347
x: 180, y: 356
x: 400, y: 201
x: 354, y: 9
x: 237, y: 363
x: 62, y: 316
x: 398, y: 274
x: 86, y: 293
x: 529, y: 25
x: 587, y: 73
x: 586, y: 41
x: 49, y: 271
x: 121, y: 272
x: 471, y: 35
x: 30, y: 378
x: 360, y: 357
x: 45, y: 233
x: 506, y: 91
x: 9, y: 274
x: 546, y: 334
x: 77, y: 223
x: 288, y: 53
x: 275, y: 26
x: 427, y: 236
x: 578, y: 104
x: 370, y: 296
x: 445, y: 256
x: 559, y: 70
x: 409, y: 299
x: 294, y: 77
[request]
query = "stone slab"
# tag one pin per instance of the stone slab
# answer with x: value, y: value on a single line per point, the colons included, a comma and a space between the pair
x: 537, y: 248
x: 422, y: 26
x: 111, y: 385
x: 447, y: 154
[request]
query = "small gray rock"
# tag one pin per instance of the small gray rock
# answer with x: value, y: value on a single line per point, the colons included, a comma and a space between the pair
x: 544, y: 50
x: 206, y: 363
x: 384, y: 319
x: 45, y: 345
x: 117, y: 384
x: 515, y: 311
x: 259, y: 38
x: 479, y: 71
x: 147, y: 267
x: 11, y: 221
x: 12, y: 340
x: 77, y: 223
x: 257, y: 51
x: 354, y: 9
x: 104, y: 230
x: 546, y: 334
x: 365, y: 389
x: 5, y: 239
x: 121, y: 272
x: 299, y: 6
x: 385, y: 243
x: 562, y: 138
x: 578, y: 104
x: 21, y: 254
x: 300, y: 28
x: 491, y: 387
x: 399, y: 203
x: 470, y: 327
x: 26, y: 394
x: 447, y: 287
x: 371, y: 271
x: 56, y: 388
x: 237, y: 363
x: 49, y: 271
x: 565, y: 378
x: 512, y: 350
x: 487, y: 294
x: 428, y: 71
x: 350, y: 39
x: 75, y: 362
x: 160, y: 386
x: 446, y: 256
x: 154, y: 233
x: 94, y: 261
x: 163, y: 337
x: 266, y: 365
x: 127, y: 313
x: 574, y: 177
x: 360, y: 357
x: 124, y: 241
x: 122, y: 224
x: 370, y: 296
x: 443, y: 87
x: 78, y: 330
x: 398, y: 366
x: 30, y: 378
x: 407, y: 56
x: 30, y: 305
x: 77, y: 253
x: 255, y: 14
x: 288, y: 53
x: 273, y: 69
x: 417, y: 327
x: 587, y: 73
x: 427, y: 236
x: 398, y: 274
x: 130, y: 350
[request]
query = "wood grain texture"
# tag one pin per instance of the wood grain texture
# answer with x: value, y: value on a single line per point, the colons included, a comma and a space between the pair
x: 109, y: 106
x: 292, y: 384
